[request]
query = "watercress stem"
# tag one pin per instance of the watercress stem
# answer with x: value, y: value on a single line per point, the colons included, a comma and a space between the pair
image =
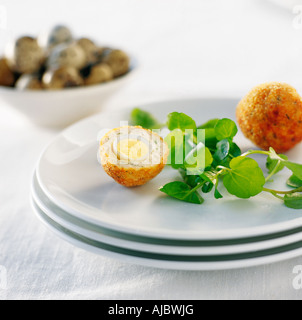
x: 273, y: 193
x: 195, y: 189
x: 250, y: 152
x: 283, y: 192
x: 222, y: 169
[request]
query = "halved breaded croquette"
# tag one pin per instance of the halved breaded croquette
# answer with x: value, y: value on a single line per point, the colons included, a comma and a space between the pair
x: 132, y: 156
x: 271, y: 116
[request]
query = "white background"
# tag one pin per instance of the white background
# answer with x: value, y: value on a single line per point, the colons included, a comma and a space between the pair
x: 194, y: 48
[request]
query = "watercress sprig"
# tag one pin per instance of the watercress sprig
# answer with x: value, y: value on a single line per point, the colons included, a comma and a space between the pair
x: 219, y: 160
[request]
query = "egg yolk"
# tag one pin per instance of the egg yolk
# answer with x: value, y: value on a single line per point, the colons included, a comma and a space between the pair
x: 132, y: 149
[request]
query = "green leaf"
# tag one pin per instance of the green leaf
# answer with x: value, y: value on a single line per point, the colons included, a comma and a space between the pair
x: 294, y: 182
x: 181, y: 191
x: 209, y: 125
x: 191, y: 180
x: 226, y: 150
x: 272, y: 163
x: 217, y: 194
x: 223, y: 150
x: 210, y: 138
x: 225, y: 129
x: 144, y: 119
x: 189, y: 144
x: 198, y: 160
x: 208, y: 159
x: 180, y: 121
x: 235, y: 151
x: 210, y: 134
x: 295, y: 168
x: 175, y: 142
x: 293, y: 201
x: 245, y: 179
x: 207, y: 187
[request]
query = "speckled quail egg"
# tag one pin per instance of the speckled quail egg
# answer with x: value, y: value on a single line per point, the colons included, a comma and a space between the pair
x: 99, y: 73
x: 7, y: 77
x: 58, y: 35
x: 91, y: 50
x: 63, y: 77
x: 63, y: 55
x: 119, y: 62
x: 25, y: 55
x: 29, y: 82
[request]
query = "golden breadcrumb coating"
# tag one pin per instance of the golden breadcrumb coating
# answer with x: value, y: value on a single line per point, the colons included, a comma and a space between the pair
x: 271, y: 116
x: 132, y: 175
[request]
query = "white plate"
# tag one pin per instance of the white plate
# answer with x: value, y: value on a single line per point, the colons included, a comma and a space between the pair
x: 71, y: 177
x: 145, y: 245
x: 175, y: 262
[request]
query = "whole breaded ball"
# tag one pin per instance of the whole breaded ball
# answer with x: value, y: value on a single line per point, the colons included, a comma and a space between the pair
x: 132, y: 156
x: 271, y: 116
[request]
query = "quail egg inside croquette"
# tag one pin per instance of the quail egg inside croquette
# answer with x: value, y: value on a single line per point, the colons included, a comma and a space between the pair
x: 271, y: 116
x: 132, y: 148
x: 132, y: 156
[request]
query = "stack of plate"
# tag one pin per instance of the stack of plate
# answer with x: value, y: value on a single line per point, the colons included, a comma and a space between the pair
x: 75, y: 198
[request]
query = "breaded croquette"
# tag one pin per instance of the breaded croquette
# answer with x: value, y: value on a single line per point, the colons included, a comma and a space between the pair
x: 271, y: 116
x: 132, y: 155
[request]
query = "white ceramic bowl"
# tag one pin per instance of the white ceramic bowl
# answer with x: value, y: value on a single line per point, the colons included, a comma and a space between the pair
x: 60, y: 108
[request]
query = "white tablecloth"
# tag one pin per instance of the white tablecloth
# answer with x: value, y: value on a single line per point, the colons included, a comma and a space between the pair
x: 193, y: 48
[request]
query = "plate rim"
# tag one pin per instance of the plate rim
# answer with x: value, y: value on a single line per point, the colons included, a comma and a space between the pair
x: 68, y: 221
x: 123, y: 254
